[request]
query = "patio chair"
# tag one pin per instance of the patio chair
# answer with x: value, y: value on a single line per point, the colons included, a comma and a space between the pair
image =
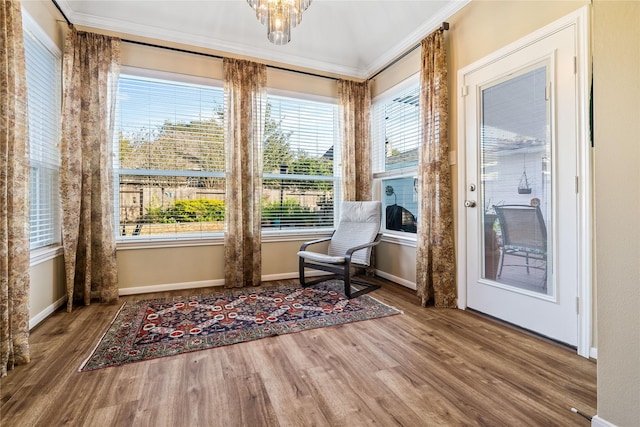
x: 524, y: 235
x: 349, y: 248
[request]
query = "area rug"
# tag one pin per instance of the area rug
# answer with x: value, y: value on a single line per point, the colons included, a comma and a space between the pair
x: 148, y: 329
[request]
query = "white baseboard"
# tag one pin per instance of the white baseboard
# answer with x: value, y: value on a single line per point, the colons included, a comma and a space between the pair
x: 294, y: 275
x: 46, y: 312
x: 204, y: 284
x: 593, y: 353
x: 170, y: 287
x: 596, y: 421
x: 220, y: 282
x: 396, y: 279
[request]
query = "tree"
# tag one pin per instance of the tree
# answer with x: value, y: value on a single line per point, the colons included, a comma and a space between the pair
x: 277, y: 149
x: 197, y: 145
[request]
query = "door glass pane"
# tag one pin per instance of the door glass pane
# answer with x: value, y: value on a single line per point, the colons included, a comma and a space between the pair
x: 516, y: 167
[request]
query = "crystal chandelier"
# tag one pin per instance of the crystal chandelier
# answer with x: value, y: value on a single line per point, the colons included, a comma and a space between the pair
x: 279, y: 16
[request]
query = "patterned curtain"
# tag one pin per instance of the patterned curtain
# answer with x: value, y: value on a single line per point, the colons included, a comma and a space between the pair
x: 90, y: 77
x: 14, y: 193
x: 245, y: 99
x: 355, y: 113
x: 435, y: 256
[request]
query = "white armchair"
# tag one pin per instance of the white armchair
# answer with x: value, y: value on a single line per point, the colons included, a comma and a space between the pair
x: 349, y: 247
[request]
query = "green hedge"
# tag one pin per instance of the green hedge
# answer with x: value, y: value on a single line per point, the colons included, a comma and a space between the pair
x: 198, y: 210
x: 289, y: 208
x: 208, y: 210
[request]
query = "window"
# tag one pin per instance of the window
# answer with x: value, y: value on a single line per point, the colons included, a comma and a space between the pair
x: 396, y: 141
x: 169, y: 157
x: 44, y: 97
x: 169, y: 162
x: 300, y: 181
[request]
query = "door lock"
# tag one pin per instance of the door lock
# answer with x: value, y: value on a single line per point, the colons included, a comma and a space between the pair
x: 470, y: 203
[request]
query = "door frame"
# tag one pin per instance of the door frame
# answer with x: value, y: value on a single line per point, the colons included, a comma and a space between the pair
x: 584, y: 306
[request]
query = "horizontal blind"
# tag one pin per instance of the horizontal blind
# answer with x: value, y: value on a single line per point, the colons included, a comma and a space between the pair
x: 169, y: 157
x: 298, y: 163
x: 396, y: 130
x: 169, y: 126
x: 43, y: 93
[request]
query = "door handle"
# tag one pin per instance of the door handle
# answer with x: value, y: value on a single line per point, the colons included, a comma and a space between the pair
x: 470, y: 203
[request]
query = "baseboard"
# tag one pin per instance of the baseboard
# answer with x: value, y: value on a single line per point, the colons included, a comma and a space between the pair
x: 593, y: 353
x: 220, y: 282
x: 596, y: 421
x: 294, y: 275
x: 46, y: 312
x: 396, y: 279
x: 170, y: 287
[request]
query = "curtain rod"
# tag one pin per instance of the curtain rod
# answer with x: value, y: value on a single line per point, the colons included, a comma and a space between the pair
x: 210, y: 55
x: 443, y: 27
x: 55, y: 3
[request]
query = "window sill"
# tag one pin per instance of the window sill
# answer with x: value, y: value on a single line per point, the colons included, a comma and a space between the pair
x: 405, y: 239
x: 270, y: 236
x: 168, y: 242
x: 40, y: 255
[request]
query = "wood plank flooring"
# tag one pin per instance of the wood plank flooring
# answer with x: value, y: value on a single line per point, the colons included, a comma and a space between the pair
x: 426, y: 367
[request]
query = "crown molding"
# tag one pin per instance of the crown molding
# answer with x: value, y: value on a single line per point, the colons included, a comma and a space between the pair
x: 148, y: 31
x: 416, y: 36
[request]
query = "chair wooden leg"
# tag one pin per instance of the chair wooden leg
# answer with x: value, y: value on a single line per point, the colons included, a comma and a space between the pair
x: 347, y: 282
x: 301, y: 272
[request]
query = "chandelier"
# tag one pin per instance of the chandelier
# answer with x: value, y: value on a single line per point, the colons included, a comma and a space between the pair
x: 279, y: 16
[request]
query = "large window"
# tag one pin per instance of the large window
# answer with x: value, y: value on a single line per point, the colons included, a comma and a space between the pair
x: 169, y: 157
x: 43, y: 92
x: 300, y: 180
x: 396, y: 142
x: 170, y: 161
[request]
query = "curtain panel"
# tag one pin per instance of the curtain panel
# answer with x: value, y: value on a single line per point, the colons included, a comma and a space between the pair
x: 435, y: 258
x: 355, y: 117
x: 14, y: 193
x: 90, y: 78
x: 245, y: 102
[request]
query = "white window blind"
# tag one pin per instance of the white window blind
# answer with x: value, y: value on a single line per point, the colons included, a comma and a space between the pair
x: 300, y: 180
x: 396, y: 129
x: 169, y: 158
x: 396, y: 134
x: 44, y: 97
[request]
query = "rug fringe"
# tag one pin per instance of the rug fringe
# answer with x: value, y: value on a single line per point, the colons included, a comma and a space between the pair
x: 84, y: 363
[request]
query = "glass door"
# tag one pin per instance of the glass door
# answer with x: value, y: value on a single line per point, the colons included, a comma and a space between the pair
x: 516, y: 180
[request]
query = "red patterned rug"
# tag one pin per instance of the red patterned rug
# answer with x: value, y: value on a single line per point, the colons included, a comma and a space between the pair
x: 148, y: 329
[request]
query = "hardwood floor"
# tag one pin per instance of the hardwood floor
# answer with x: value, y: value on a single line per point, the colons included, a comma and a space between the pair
x: 426, y: 367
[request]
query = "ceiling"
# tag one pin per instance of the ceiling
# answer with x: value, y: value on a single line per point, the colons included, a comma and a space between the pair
x: 346, y: 37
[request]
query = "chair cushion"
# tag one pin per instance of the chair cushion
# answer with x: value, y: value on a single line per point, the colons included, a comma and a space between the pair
x: 361, y: 212
x: 322, y: 258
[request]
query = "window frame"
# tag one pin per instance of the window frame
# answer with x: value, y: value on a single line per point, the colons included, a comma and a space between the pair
x: 217, y: 238
x: 379, y: 172
x: 164, y: 240
x: 295, y: 234
x: 53, y: 247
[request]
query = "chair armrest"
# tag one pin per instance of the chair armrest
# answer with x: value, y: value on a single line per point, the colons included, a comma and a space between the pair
x: 305, y: 245
x: 350, y: 251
